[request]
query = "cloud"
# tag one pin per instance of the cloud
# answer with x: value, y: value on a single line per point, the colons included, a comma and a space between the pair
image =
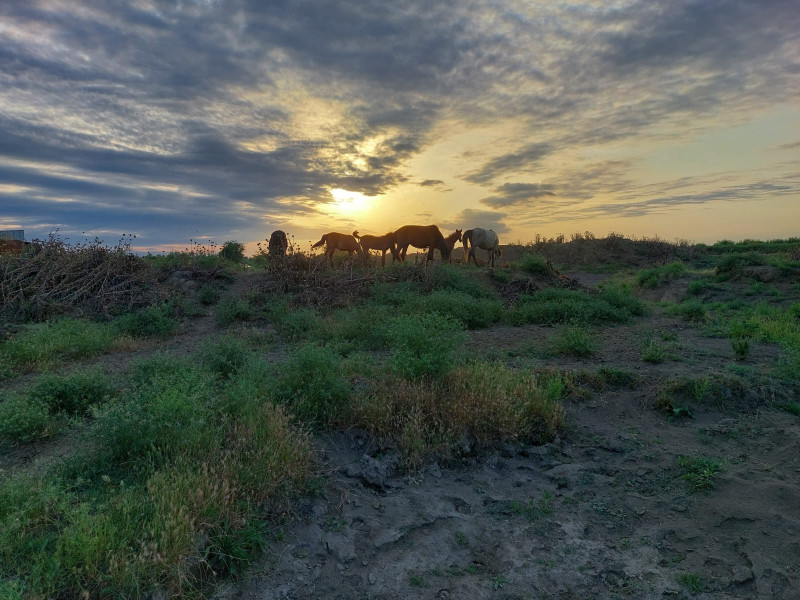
x: 240, y: 112
x: 470, y: 218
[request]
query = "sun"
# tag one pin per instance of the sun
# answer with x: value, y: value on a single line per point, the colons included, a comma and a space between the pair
x: 348, y: 203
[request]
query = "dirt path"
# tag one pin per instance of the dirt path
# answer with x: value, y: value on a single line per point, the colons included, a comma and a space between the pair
x: 601, y: 513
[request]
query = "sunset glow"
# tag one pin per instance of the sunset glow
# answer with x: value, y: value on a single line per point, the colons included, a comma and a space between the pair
x: 174, y: 120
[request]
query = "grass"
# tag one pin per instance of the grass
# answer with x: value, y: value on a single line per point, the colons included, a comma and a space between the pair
x: 535, y: 264
x: 691, y: 581
x: 698, y: 472
x: 574, y: 340
x: 40, y: 344
x: 483, y: 402
x: 551, y: 306
x: 658, y: 276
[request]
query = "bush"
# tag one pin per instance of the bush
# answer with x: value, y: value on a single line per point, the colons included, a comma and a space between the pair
x: 362, y: 326
x: 423, y: 345
x: 741, y: 348
x: 232, y: 251
x: 297, y: 323
x: 535, y: 264
x: 149, y: 322
x: 225, y: 355
x: 653, y: 352
x: 233, y: 309
x: 732, y: 265
x: 311, y: 384
x: 72, y: 394
x: 691, y: 310
x: 474, y: 313
x: 23, y: 419
x: 208, y: 294
x: 574, y: 340
x: 652, y: 278
x: 698, y: 286
x: 551, y: 306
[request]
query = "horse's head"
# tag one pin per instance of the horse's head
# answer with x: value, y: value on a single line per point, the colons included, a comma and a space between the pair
x: 458, y: 237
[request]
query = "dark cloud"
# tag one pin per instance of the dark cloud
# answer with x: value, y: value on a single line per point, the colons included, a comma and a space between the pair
x: 470, y: 218
x: 510, y: 194
x: 244, y: 111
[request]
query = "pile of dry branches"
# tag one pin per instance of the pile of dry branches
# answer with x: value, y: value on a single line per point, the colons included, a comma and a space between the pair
x: 53, y: 277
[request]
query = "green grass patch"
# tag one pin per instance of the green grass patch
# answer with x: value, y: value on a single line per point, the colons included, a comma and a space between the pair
x: 533, y: 263
x: 551, y: 306
x: 64, y: 339
x: 658, y: 276
x: 233, y: 309
x: 699, y: 472
x: 424, y: 345
x: 574, y: 340
x: 153, y: 321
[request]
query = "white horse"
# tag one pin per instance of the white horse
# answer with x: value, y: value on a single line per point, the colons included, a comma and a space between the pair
x: 485, y: 239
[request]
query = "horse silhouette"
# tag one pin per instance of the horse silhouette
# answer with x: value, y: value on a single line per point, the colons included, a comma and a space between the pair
x: 486, y: 239
x: 421, y: 236
x: 451, y: 240
x: 278, y: 243
x: 339, y: 241
x: 384, y: 243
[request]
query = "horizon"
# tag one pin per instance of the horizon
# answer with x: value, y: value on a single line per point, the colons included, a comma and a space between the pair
x: 228, y: 120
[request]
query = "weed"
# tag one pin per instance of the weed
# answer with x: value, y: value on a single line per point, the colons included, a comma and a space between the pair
x: 424, y: 344
x: 741, y: 348
x: 691, y: 581
x: 233, y: 309
x: 792, y: 407
x: 224, y: 355
x: 23, y: 419
x: 653, y: 278
x: 72, y: 394
x: 208, y: 294
x: 691, y: 310
x: 535, y: 264
x: 550, y: 306
x: 149, y: 322
x: 653, y: 352
x: 574, y: 340
x: 698, y: 286
x: 298, y: 323
x: 699, y: 471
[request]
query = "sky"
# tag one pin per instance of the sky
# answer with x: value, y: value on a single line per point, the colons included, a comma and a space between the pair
x: 227, y: 119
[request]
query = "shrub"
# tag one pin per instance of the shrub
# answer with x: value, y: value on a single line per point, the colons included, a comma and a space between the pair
x: 574, y: 340
x: 652, y: 278
x: 732, y: 265
x: 72, y: 394
x: 698, y: 286
x: 551, y: 306
x: 224, y: 355
x: 360, y: 325
x: 443, y: 276
x: 653, y: 352
x: 474, y: 313
x: 312, y: 385
x: 233, y: 309
x: 423, y: 345
x: 741, y: 348
x: 148, y: 322
x: 23, y: 419
x: 699, y: 472
x: 208, y: 294
x: 691, y: 310
x: 297, y: 323
x: 232, y: 251
x: 535, y: 264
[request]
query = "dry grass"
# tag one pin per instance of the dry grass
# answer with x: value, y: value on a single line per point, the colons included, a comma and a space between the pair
x: 477, y: 403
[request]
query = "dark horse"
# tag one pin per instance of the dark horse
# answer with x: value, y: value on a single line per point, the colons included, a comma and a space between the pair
x: 384, y: 243
x: 278, y: 243
x: 421, y: 236
x: 338, y: 241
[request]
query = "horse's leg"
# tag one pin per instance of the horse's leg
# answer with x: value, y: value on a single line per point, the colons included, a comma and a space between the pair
x: 383, y: 259
x: 403, y: 252
x: 330, y: 252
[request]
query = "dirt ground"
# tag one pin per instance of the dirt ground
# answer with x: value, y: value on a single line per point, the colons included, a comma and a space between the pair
x: 602, y: 512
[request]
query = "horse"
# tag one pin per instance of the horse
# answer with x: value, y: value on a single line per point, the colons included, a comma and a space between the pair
x: 451, y: 240
x: 481, y: 238
x: 278, y: 243
x: 421, y: 236
x: 339, y: 241
x: 384, y: 243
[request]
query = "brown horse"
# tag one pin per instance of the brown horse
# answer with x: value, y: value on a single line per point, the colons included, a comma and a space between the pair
x: 385, y: 243
x: 451, y: 240
x: 278, y: 243
x: 339, y: 241
x: 421, y: 236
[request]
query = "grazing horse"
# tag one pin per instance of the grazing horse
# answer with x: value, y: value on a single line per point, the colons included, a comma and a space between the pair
x: 451, y: 240
x: 384, y: 243
x: 339, y: 241
x: 278, y: 243
x: 481, y: 238
x: 421, y: 236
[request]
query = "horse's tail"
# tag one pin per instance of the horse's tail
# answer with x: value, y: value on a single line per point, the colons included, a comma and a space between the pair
x: 466, y: 239
x: 322, y: 241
